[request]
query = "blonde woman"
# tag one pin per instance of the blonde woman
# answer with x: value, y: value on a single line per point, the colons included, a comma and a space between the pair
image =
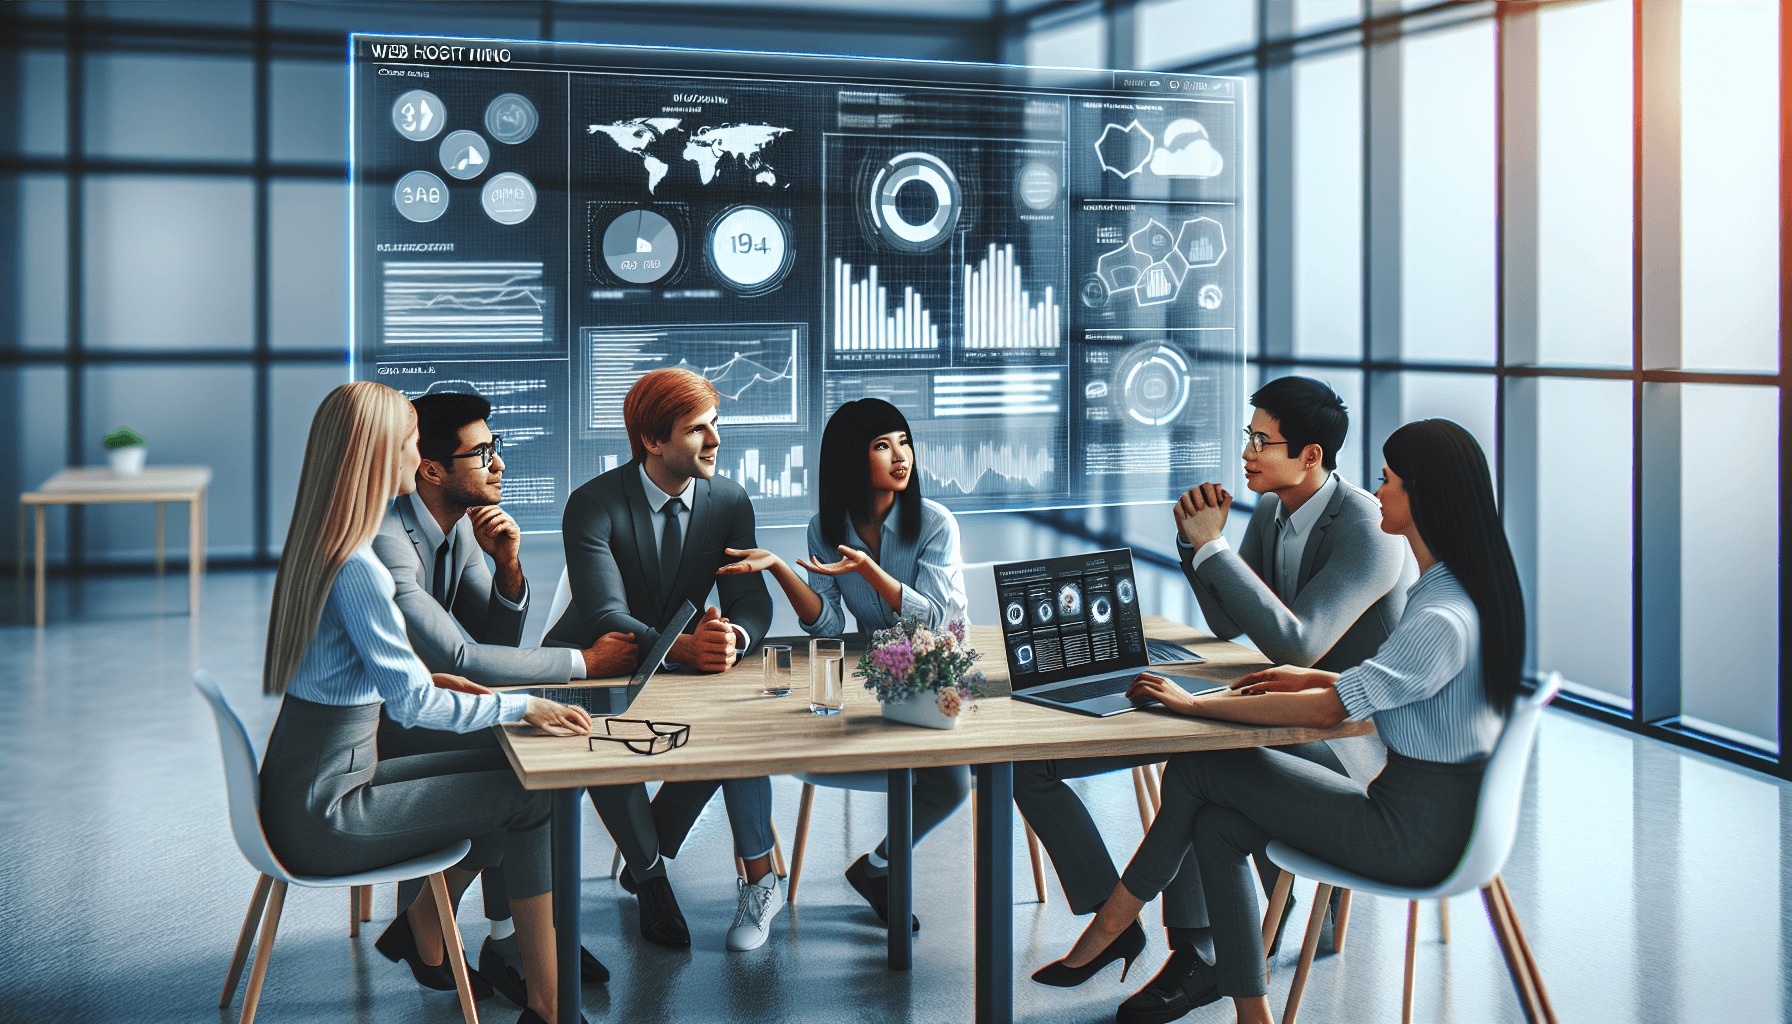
x: 337, y: 651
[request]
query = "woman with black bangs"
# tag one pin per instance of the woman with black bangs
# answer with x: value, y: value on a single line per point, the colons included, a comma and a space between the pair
x: 898, y: 558
x: 1439, y: 690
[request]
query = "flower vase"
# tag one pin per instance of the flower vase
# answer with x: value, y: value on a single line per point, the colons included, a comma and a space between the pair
x: 922, y: 709
x: 128, y: 461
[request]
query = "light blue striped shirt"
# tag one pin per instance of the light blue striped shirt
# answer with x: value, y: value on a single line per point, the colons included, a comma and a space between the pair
x: 1423, y: 687
x: 359, y: 655
x: 929, y: 568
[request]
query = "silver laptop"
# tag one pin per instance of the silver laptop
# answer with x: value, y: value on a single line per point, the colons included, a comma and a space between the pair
x: 615, y: 700
x: 1072, y: 631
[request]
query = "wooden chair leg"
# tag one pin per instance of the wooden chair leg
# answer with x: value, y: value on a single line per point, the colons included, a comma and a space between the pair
x: 1412, y: 948
x: 1524, y: 947
x: 269, y: 925
x: 1038, y: 867
x: 802, y: 838
x: 1443, y: 918
x: 1521, y: 976
x: 1277, y: 900
x: 367, y: 903
x: 1143, y: 795
x: 778, y: 854
x: 615, y: 863
x: 245, y: 938
x: 455, y: 952
x: 1342, y: 922
x: 354, y: 911
x: 1315, y: 925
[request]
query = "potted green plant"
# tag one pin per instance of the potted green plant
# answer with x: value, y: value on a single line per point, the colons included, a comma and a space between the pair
x: 921, y: 676
x: 127, y: 449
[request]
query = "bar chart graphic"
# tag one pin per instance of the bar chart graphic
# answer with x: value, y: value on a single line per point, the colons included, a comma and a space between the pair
x: 1001, y: 313
x: 756, y: 474
x: 865, y: 322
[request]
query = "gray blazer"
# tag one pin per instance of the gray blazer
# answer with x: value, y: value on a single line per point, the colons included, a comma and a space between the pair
x: 486, y: 652
x: 615, y: 574
x: 1352, y: 585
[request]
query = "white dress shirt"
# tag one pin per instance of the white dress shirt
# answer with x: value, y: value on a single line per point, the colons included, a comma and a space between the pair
x: 1292, y: 531
x: 656, y: 500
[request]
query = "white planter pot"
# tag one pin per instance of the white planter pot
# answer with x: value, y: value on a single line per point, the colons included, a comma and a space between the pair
x: 922, y: 709
x: 128, y: 461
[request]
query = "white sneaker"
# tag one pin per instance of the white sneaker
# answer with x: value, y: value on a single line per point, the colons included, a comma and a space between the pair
x: 756, y: 904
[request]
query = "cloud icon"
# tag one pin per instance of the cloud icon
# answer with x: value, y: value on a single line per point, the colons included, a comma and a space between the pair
x: 1196, y: 158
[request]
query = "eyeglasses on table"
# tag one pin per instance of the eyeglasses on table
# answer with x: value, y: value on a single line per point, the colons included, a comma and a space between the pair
x: 666, y: 736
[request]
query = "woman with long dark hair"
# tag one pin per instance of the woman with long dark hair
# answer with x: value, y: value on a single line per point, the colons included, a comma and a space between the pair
x: 898, y: 558
x: 1439, y: 690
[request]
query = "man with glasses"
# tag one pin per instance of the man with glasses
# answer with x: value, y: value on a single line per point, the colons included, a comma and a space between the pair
x: 465, y: 622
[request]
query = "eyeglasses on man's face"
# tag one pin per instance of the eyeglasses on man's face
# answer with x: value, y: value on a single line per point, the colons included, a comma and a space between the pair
x: 1258, y: 440
x: 485, y: 453
x: 663, y: 736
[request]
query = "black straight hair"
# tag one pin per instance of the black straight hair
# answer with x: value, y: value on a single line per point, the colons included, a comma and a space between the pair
x: 845, y: 471
x: 440, y: 417
x: 1450, y: 490
x: 1308, y: 412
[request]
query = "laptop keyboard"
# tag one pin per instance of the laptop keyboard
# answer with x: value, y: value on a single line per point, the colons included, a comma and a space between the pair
x: 1093, y: 688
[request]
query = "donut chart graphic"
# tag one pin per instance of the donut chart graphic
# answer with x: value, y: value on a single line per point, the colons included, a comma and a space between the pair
x: 1101, y: 610
x: 1152, y: 385
x: 1015, y: 614
x: 915, y: 170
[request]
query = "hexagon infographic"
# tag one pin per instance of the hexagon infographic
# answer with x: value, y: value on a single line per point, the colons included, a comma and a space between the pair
x: 1152, y: 267
x: 1125, y: 151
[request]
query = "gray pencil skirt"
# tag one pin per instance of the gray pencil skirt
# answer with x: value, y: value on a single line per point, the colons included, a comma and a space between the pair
x: 331, y: 806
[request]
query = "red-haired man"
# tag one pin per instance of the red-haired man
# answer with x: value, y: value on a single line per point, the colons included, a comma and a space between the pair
x: 641, y: 540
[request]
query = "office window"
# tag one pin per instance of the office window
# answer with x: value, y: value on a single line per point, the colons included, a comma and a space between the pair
x: 42, y: 77
x: 1729, y: 185
x: 1076, y: 44
x: 1584, y: 129
x: 1729, y: 578
x: 1448, y: 187
x: 39, y: 398
x: 188, y: 12
x: 1357, y: 466
x: 170, y: 108
x: 308, y: 112
x: 1172, y: 33
x: 308, y: 264
x: 42, y: 232
x: 1312, y: 15
x: 1328, y: 205
x: 1583, y: 579
x: 1466, y: 398
x: 293, y: 396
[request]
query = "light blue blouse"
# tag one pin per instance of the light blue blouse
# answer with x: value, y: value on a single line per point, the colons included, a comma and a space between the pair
x: 1424, y: 686
x: 929, y: 568
x: 360, y: 655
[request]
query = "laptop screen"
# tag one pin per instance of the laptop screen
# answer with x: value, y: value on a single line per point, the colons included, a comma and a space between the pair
x: 1070, y: 617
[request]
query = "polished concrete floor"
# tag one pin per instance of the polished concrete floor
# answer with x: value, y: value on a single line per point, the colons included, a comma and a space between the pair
x: 1654, y: 884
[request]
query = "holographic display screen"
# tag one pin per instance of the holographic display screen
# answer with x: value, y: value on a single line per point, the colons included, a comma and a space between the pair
x: 1038, y: 266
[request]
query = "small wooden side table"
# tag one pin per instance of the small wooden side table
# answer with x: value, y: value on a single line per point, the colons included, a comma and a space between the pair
x: 90, y: 485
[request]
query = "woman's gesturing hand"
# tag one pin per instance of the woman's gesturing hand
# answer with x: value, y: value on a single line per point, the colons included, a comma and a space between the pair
x: 1158, y: 688
x: 751, y: 560
x: 1284, y: 679
x: 851, y: 560
x: 557, y: 719
x: 459, y: 684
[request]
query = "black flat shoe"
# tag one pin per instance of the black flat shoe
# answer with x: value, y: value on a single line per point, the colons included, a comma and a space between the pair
x: 398, y: 943
x: 1126, y: 946
x: 591, y: 969
x: 501, y: 974
x: 661, y: 921
x: 1185, y: 983
x: 875, y: 890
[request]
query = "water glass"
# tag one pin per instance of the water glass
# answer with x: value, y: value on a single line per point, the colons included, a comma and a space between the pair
x: 827, y: 676
x: 775, y: 662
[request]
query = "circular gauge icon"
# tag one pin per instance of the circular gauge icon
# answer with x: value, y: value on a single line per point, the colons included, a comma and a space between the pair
x: 464, y: 154
x: 420, y: 196
x: 508, y: 198
x: 511, y: 118
x: 1070, y: 600
x: 1043, y: 613
x: 1209, y: 296
x: 640, y: 247
x: 1101, y: 610
x: 1151, y: 384
x: 749, y: 249
x: 1037, y: 184
x: 1023, y: 656
x: 1015, y: 615
x: 915, y: 200
x: 419, y: 115
x: 1094, y: 292
x: 1123, y: 591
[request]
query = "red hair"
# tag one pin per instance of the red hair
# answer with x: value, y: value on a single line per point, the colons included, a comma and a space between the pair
x: 659, y: 400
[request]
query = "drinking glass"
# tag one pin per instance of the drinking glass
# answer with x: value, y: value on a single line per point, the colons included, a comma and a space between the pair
x: 775, y: 661
x: 827, y: 676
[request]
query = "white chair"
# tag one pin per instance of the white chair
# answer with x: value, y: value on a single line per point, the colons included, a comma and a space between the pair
x: 1496, y: 828
x: 243, y: 784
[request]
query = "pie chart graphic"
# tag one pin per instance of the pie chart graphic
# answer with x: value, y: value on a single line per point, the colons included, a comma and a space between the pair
x: 640, y: 247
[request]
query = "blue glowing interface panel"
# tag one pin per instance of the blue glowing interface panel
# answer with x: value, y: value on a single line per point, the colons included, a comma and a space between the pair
x: 1038, y: 266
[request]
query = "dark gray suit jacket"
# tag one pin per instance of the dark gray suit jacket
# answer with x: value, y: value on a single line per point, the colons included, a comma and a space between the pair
x: 491, y: 657
x: 614, y: 572
x: 1352, y: 585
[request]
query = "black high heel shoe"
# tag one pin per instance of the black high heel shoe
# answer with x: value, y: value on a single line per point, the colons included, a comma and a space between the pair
x: 1126, y: 946
x: 398, y: 943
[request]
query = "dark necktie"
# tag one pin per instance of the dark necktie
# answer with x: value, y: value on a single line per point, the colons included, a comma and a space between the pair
x: 671, y: 544
x: 443, y: 591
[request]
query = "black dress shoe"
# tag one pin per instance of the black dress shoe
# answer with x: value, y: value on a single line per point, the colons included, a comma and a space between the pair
x: 591, y: 969
x: 1126, y: 946
x: 1328, y: 930
x: 531, y: 1017
x: 875, y: 890
x: 397, y: 943
x: 661, y: 922
x: 1186, y: 982
x: 501, y: 974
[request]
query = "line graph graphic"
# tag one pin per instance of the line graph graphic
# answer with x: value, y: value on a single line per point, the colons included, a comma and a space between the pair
x: 864, y: 321
x: 1000, y: 312
x: 754, y: 369
x: 970, y: 461
x: 460, y: 304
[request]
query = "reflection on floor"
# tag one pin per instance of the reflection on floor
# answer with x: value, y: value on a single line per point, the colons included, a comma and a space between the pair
x: 1653, y: 884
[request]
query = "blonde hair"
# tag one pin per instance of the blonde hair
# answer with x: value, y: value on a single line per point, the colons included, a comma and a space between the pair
x: 350, y: 474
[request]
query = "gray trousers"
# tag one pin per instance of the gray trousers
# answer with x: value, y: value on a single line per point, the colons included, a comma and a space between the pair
x: 330, y: 805
x: 1408, y: 827
x: 400, y: 741
x: 1069, y: 834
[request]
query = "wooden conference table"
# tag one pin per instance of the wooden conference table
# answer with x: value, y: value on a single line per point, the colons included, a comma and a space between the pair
x: 737, y: 733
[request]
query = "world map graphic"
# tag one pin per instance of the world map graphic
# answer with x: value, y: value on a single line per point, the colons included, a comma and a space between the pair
x: 658, y: 141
